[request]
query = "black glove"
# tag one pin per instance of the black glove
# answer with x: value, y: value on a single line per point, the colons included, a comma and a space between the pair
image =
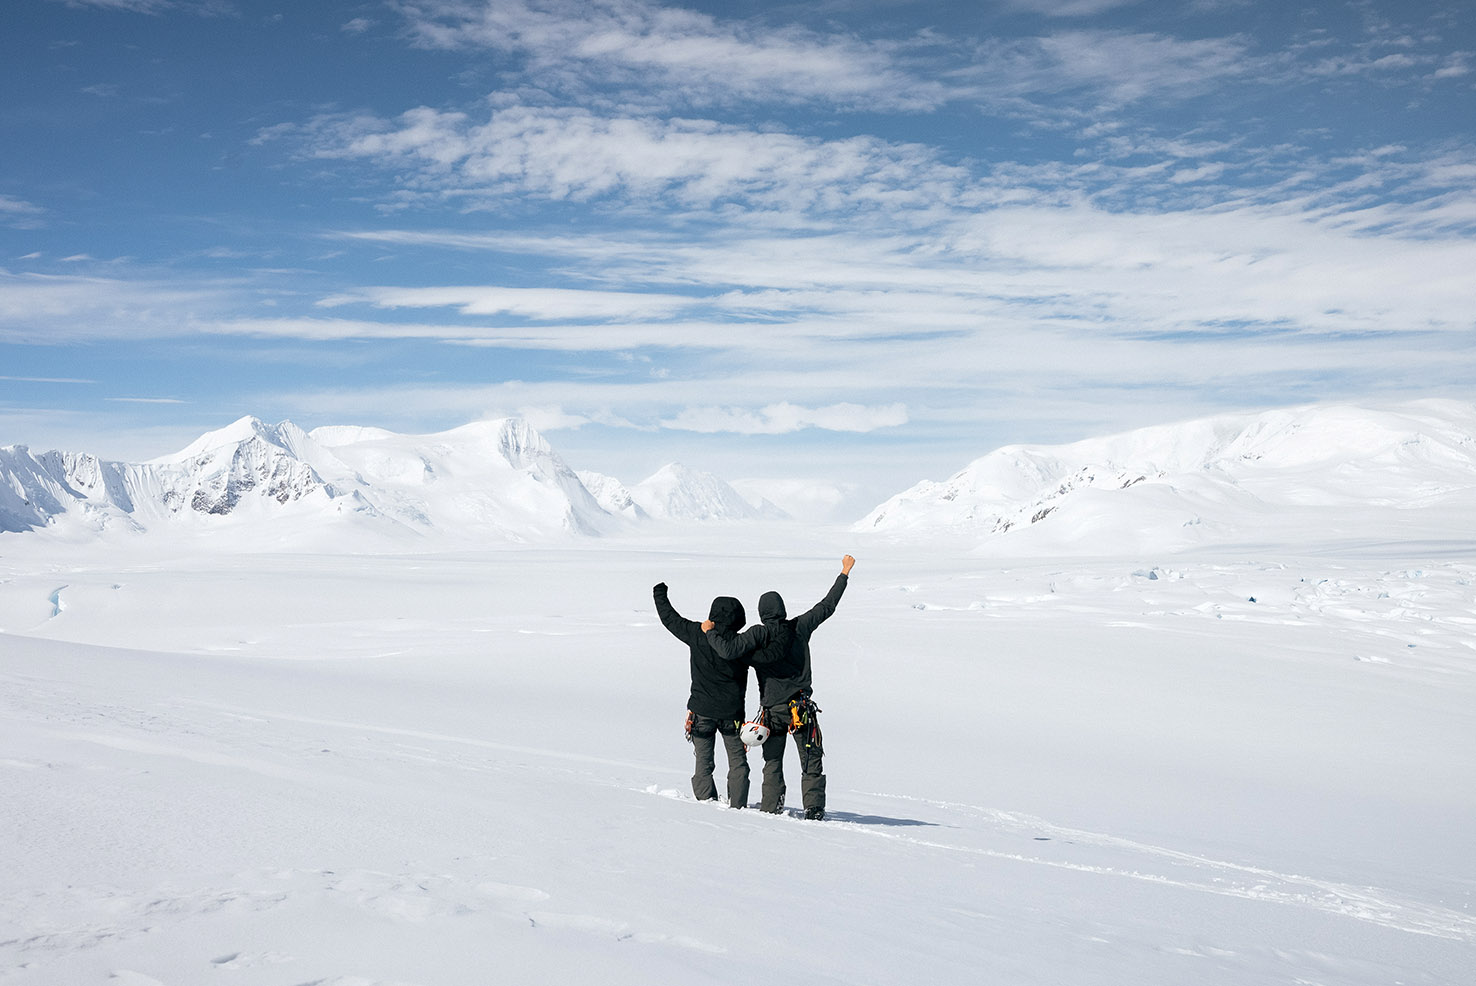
x: 659, y: 587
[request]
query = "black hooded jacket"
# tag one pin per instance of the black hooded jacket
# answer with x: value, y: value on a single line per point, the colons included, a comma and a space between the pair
x: 718, y: 684
x: 779, y: 648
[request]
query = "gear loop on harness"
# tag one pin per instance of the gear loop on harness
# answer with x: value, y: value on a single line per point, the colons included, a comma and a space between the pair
x: 804, y: 721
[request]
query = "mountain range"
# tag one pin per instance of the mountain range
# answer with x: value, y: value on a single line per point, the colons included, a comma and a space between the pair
x: 497, y: 480
x: 1299, y: 473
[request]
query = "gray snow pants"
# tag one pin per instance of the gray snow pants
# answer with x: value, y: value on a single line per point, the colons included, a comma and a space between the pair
x: 812, y: 770
x: 705, y: 732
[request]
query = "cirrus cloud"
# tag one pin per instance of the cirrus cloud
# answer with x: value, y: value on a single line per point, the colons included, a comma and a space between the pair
x: 689, y: 56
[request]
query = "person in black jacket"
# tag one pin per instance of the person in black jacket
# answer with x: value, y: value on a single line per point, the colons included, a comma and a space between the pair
x: 779, y: 649
x: 715, y: 707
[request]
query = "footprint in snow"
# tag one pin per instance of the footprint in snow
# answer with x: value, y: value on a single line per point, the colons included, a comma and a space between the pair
x: 508, y: 891
x: 125, y: 977
x: 243, y: 960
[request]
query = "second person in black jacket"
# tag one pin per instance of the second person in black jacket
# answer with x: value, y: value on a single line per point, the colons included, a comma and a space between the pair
x: 779, y: 649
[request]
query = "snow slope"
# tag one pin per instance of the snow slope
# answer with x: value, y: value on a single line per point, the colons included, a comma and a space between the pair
x: 1231, y: 479
x: 451, y: 769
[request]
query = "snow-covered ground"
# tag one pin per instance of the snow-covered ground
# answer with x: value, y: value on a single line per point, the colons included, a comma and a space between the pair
x: 1224, y: 765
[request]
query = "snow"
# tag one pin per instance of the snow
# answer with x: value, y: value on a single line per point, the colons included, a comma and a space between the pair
x: 488, y: 482
x: 676, y: 492
x: 1219, y: 480
x: 234, y: 757
x: 611, y: 494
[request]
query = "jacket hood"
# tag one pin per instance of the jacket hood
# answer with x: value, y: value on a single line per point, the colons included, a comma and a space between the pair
x: 727, y: 613
x: 771, y: 607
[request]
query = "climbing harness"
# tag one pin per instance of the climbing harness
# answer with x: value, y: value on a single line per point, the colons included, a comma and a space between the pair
x: 804, y: 722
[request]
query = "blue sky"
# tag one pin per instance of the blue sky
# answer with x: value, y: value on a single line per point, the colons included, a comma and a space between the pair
x: 832, y: 248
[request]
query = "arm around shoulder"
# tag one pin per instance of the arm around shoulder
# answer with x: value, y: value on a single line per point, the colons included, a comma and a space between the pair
x: 736, y: 646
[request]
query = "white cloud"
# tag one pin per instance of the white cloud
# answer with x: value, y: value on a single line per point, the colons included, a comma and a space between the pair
x: 548, y: 418
x: 782, y: 418
x: 544, y: 304
x: 50, y: 309
x: 20, y: 214
x: 552, y: 418
x: 134, y: 6
x: 574, y: 154
x: 1455, y: 67
x: 1071, y: 8
x: 688, y: 56
x: 1116, y: 67
x: 146, y: 400
x: 205, y: 8
x: 46, y: 380
x: 14, y: 206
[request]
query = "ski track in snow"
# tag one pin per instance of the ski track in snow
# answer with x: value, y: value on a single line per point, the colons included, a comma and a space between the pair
x: 180, y: 728
x: 1197, y: 873
x: 1185, y: 872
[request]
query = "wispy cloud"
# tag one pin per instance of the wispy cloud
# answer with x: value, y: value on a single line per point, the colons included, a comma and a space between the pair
x: 1109, y: 68
x: 204, y: 8
x: 681, y: 55
x: 51, y: 309
x: 532, y: 303
x: 20, y: 214
x: 782, y: 418
x: 1070, y: 8
x: 575, y: 154
x: 67, y: 380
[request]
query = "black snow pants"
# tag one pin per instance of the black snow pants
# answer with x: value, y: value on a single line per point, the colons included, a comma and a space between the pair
x: 812, y: 770
x: 705, y: 732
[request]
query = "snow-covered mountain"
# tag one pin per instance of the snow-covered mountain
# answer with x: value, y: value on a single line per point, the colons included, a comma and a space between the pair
x: 679, y: 493
x: 496, y: 480
x: 33, y: 488
x: 1226, y: 478
x: 611, y: 494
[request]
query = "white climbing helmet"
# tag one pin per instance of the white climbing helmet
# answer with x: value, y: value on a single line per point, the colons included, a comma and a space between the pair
x: 753, y: 733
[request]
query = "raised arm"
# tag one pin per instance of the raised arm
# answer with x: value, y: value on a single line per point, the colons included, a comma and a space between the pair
x: 684, y: 630
x: 821, y: 611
